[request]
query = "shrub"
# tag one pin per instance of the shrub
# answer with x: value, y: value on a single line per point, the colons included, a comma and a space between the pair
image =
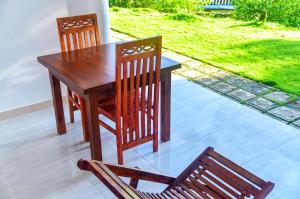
x: 286, y: 12
x: 169, y: 6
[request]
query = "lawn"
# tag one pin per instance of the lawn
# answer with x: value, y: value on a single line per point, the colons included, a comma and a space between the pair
x: 268, y: 53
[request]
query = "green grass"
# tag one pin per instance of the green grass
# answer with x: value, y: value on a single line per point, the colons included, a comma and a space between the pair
x: 267, y: 53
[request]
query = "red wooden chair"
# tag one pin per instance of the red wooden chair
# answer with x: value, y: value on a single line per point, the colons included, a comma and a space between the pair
x: 135, y: 107
x: 209, y: 176
x: 75, y: 33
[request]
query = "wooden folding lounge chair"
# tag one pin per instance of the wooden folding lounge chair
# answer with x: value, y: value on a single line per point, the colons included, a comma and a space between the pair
x: 209, y: 176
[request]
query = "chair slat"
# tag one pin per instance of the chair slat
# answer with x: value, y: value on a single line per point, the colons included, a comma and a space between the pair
x: 75, y: 42
x: 230, y: 178
x: 212, y: 186
x: 143, y: 96
x: 196, y: 189
x: 124, y: 102
x: 137, y: 99
x: 149, y: 97
x: 202, y: 187
x: 92, y: 38
x: 131, y: 102
x: 86, y: 38
x: 218, y: 182
x: 229, y: 164
x: 80, y: 39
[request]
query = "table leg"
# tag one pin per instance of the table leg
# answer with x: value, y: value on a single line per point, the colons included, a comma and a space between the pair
x: 58, y: 104
x: 93, y: 126
x: 165, y: 113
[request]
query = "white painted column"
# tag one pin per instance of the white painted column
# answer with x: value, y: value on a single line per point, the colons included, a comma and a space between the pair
x: 100, y: 7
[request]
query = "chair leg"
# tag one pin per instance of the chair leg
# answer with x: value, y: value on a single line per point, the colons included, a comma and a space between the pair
x: 86, y: 135
x: 120, y: 155
x: 155, y: 142
x: 71, y: 110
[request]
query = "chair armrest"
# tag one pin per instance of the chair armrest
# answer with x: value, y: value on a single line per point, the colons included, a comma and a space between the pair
x: 139, y: 174
x: 115, y: 184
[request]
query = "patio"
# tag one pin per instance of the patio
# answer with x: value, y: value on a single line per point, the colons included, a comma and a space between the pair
x: 32, y: 154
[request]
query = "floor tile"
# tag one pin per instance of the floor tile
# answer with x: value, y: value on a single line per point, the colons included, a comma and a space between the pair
x: 6, y: 191
x: 285, y: 113
x: 234, y: 145
x: 285, y: 173
x: 278, y: 96
x: 19, y: 156
x: 262, y: 103
x: 60, y: 175
x: 241, y: 95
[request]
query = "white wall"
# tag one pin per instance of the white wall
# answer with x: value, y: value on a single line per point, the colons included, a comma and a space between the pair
x: 78, y: 7
x: 28, y: 30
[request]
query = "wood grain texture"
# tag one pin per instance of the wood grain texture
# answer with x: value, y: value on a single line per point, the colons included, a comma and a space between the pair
x: 92, y: 70
x: 210, y: 175
x: 72, y: 31
x: 136, y: 101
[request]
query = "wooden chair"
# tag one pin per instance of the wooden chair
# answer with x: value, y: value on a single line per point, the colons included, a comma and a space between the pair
x: 135, y: 107
x: 209, y: 176
x: 75, y: 33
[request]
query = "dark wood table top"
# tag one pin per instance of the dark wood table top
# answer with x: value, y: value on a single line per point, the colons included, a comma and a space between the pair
x: 90, y: 69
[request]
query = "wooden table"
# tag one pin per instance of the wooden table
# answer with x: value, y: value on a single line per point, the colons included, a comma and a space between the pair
x: 90, y: 72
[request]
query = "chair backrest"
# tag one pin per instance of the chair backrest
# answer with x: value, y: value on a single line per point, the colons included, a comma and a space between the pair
x: 137, y: 90
x: 78, y: 32
x: 218, y: 177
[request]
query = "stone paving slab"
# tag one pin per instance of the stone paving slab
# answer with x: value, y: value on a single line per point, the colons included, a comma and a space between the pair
x: 191, y: 74
x: 241, y: 95
x: 177, y: 57
x: 297, y: 123
x: 239, y: 81
x: 285, y: 113
x: 207, y: 69
x: 206, y: 80
x: 278, y: 96
x: 194, y: 64
x: 295, y: 104
x: 222, y: 75
x: 262, y: 103
x: 223, y: 87
x: 256, y: 88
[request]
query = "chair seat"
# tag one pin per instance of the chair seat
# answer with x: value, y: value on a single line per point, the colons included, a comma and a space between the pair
x: 219, y: 7
x: 107, y: 107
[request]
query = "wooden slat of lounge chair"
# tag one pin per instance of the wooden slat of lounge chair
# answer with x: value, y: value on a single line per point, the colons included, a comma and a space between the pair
x: 210, y: 176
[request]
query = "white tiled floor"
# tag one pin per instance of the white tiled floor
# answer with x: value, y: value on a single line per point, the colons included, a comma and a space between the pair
x: 37, y: 163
